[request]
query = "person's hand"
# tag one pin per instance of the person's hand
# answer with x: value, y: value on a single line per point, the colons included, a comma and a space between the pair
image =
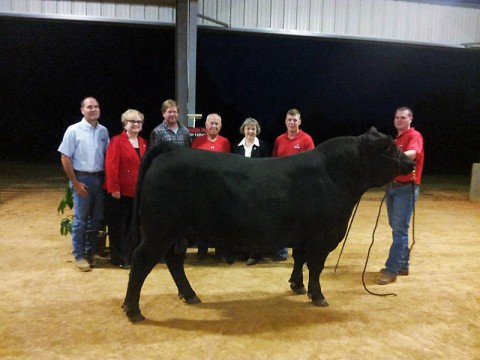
x: 81, y: 188
x: 116, y: 194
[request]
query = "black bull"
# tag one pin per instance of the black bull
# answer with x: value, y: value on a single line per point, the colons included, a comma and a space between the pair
x: 302, y: 201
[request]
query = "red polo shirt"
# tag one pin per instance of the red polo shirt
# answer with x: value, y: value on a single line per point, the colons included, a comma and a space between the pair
x: 220, y: 145
x: 284, y: 146
x: 411, y: 140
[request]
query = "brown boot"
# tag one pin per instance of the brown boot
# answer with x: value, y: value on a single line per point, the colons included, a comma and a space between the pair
x: 385, y: 278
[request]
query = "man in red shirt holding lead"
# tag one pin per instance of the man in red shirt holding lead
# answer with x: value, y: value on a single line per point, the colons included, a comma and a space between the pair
x: 401, y: 195
x: 292, y: 142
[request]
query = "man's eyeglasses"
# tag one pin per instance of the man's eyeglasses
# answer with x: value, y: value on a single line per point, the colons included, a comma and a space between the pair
x: 138, y: 122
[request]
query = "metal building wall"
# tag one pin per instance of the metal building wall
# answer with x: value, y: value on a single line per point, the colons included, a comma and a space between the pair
x: 385, y: 20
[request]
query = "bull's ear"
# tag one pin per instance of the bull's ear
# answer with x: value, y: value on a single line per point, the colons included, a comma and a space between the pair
x: 371, y: 134
x: 375, y: 140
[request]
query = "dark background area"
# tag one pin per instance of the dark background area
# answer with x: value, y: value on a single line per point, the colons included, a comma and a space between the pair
x: 341, y: 87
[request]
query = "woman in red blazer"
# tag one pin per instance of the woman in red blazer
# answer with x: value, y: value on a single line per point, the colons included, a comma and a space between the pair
x: 122, y: 163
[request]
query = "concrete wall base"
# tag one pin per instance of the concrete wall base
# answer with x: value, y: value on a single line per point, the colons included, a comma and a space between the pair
x: 475, y: 183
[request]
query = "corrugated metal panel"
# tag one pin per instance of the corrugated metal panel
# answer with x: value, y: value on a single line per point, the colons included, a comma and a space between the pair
x: 390, y: 20
x: 251, y: 13
x: 328, y: 17
x: 264, y: 14
x: 277, y: 16
x: 238, y: 13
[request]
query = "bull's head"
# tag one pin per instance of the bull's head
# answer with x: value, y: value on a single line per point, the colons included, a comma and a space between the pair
x: 385, y: 160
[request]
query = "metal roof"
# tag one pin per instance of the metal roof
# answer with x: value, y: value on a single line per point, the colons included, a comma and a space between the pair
x: 430, y: 22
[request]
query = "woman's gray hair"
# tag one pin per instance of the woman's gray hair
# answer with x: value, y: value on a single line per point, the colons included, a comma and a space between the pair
x: 250, y: 122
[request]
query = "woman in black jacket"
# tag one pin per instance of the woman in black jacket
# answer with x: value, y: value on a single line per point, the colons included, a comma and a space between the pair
x: 251, y: 146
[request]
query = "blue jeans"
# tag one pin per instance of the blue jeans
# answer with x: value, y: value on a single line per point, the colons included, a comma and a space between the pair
x: 400, y: 201
x: 88, y: 216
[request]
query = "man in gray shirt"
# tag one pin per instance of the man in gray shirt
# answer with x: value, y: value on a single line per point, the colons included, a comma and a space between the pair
x: 170, y: 129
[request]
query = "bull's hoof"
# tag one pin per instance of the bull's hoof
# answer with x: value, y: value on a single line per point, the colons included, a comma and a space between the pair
x: 320, y: 302
x: 133, y: 316
x: 298, y: 288
x: 193, y: 300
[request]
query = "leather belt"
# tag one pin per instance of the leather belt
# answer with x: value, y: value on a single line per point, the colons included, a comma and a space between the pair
x: 94, y: 173
x: 400, y: 183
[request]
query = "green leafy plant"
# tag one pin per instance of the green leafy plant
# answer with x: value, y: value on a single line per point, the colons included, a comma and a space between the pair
x: 67, y: 222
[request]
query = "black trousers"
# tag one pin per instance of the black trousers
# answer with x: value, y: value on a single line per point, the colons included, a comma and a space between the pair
x: 119, y: 214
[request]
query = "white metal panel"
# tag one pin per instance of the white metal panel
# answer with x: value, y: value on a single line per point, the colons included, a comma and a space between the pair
x: 223, y: 11
x: 166, y: 13
x: 237, y: 13
x: 104, y: 10
x: 251, y: 13
x: 151, y: 12
x: 353, y: 17
x: 390, y: 19
x: 264, y: 13
x: 14, y: 6
x: 315, y: 16
x: 122, y: 11
x: 209, y: 8
x: 365, y: 14
x: 401, y: 24
x: 79, y: 8
x: 93, y: 9
x: 290, y: 14
x: 34, y: 6
x: 435, y: 17
x: 64, y: 7
x: 303, y: 15
x: 340, y: 19
x: 49, y: 7
x: 277, y: 14
x: 5, y: 5
x: 137, y: 12
x: 328, y: 17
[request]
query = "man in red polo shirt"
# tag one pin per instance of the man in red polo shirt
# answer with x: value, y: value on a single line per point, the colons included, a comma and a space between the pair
x: 292, y: 142
x: 211, y: 141
x: 401, y: 195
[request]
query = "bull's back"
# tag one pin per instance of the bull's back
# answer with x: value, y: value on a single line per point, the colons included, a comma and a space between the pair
x: 224, y: 197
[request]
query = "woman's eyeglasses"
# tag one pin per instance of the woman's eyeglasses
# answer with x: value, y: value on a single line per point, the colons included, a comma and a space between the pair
x: 138, y: 122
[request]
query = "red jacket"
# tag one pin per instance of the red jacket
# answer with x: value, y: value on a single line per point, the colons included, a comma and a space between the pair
x: 122, y: 164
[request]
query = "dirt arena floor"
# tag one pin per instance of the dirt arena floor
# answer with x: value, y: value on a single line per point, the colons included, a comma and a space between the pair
x: 50, y: 310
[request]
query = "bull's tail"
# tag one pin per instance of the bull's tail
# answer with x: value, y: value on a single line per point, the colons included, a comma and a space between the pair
x: 134, y: 235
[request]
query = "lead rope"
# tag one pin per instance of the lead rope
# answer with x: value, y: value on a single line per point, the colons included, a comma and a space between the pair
x: 413, y: 221
x: 346, y: 235
x: 370, y: 248
x: 413, y: 214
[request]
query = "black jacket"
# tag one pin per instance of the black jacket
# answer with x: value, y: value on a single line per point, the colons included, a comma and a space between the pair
x: 257, y: 151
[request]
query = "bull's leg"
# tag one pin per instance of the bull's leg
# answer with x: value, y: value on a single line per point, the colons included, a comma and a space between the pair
x: 315, y: 268
x: 296, y: 279
x: 174, y: 262
x: 143, y: 261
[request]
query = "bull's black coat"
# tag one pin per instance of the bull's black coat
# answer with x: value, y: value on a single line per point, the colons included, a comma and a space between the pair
x: 302, y: 201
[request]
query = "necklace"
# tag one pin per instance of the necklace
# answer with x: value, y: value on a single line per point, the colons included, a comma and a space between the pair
x: 134, y: 142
